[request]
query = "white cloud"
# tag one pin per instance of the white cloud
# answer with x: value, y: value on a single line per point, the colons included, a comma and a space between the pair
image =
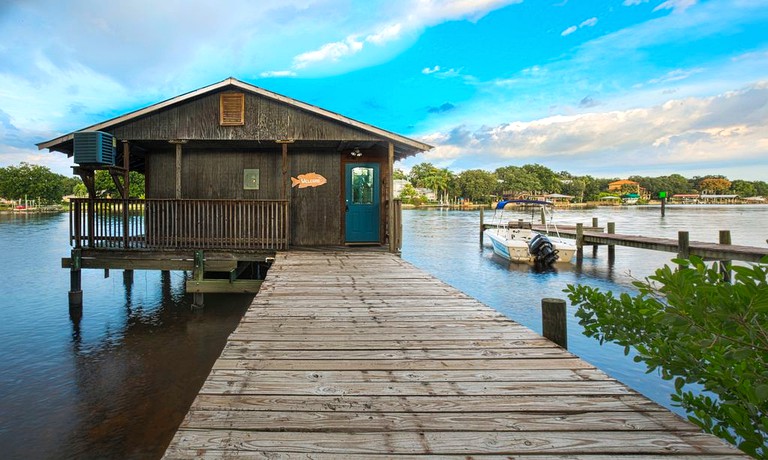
x: 675, y: 75
x: 680, y: 134
x: 408, y: 17
x: 385, y: 34
x: 586, y: 23
x: 677, y: 6
x: 633, y: 2
x: 329, y: 52
x: 428, y: 71
x: 278, y: 73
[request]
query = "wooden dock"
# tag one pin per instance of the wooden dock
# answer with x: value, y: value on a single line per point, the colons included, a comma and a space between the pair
x: 361, y: 355
x: 710, y: 251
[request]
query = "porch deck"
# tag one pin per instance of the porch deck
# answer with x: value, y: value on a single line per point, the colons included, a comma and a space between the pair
x: 361, y: 355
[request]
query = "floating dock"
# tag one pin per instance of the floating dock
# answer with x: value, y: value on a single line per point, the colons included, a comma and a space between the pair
x: 362, y: 355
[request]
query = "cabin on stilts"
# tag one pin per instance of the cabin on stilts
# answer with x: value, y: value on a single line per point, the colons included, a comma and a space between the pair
x: 233, y: 173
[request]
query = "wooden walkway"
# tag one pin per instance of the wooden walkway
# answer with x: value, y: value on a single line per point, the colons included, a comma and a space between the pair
x: 361, y: 355
x: 712, y: 251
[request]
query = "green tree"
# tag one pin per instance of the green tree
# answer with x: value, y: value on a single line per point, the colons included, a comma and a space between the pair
x: 398, y: 174
x: 105, y: 186
x: 696, y: 328
x: 419, y: 174
x: 477, y: 185
x: 550, y: 182
x: 575, y: 187
x: 34, y: 182
x: 517, y: 180
x: 743, y: 188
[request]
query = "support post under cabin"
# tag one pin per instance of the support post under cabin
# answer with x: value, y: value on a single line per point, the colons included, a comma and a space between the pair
x: 198, y: 298
x: 75, y: 279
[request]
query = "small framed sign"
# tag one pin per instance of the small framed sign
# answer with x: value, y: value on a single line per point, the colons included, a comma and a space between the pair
x: 250, y: 179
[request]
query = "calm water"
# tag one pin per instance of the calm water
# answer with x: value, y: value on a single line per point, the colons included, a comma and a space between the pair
x: 445, y: 243
x: 115, y: 383
x: 118, y: 381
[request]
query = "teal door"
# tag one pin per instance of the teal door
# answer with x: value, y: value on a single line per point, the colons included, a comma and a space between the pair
x: 361, y: 194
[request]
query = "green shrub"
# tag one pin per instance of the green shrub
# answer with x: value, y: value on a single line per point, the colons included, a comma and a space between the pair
x: 696, y: 328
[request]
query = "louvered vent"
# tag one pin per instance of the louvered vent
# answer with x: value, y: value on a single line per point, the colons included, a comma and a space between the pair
x: 94, y: 147
x: 232, y: 109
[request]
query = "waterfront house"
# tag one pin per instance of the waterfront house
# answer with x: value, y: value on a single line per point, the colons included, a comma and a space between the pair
x: 628, y: 187
x: 235, y: 167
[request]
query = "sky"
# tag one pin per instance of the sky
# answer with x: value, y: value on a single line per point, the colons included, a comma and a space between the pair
x: 605, y: 88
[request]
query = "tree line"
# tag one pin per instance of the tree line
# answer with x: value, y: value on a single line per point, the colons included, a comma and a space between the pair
x: 39, y: 183
x: 480, y: 185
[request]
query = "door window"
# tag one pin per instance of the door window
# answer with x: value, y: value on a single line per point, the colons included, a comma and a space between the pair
x: 362, y: 185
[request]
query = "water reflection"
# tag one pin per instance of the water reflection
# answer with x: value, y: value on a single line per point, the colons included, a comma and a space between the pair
x: 110, y: 380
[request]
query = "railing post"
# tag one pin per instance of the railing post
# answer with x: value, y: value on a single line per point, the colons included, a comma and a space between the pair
x: 725, y: 265
x: 78, y: 223
x: 554, y: 321
x: 91, y: 221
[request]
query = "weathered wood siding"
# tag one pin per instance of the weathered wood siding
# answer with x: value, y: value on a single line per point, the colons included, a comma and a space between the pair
x: 214, y: 174
x: 316, y: 211
x: 264, y: 120
x: 160, y: 177
x: 209, y: 174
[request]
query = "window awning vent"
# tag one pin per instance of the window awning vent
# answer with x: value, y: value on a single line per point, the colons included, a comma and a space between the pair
x: 232, y: 109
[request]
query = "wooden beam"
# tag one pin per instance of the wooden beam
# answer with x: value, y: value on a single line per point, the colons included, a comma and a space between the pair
x: 151, y: 264
x: 223, y: 286
x: 178, y: 143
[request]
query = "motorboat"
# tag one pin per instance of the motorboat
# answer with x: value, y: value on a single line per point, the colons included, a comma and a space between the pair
x: 517, y: 241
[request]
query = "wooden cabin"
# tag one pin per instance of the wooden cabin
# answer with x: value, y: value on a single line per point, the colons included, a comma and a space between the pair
x: 234, y: 167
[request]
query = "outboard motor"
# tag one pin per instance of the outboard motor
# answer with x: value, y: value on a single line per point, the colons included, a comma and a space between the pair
x: 542, y: 250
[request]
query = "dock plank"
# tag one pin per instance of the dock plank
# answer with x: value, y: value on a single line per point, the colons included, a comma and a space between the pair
x: 360, y: 354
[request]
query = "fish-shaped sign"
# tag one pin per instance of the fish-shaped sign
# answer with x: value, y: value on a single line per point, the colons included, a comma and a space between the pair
x: 308, y: 180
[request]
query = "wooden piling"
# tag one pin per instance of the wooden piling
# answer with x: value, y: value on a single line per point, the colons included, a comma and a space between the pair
x: 128, y: 277
x: 198, y: 298
x: 579, y: 241
x: 611, y: 247
x: 595, y: 225
x: 725, y: 265
x: 482, y: 226
x: 75, y: 279
x: 683, y: 245
x: 553, y: 320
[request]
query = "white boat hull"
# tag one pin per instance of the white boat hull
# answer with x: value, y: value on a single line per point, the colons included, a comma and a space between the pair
x: 512, y: 244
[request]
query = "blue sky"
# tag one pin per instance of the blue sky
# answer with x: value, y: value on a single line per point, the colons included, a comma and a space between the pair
x: 606, y: 88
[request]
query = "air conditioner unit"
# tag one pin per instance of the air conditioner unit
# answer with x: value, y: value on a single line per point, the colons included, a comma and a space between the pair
x: 95, y: 148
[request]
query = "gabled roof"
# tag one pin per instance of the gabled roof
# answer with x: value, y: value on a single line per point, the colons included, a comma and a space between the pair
x: 409, y: 143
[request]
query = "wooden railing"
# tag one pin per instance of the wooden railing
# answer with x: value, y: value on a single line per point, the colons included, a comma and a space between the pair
x: 179, y: 224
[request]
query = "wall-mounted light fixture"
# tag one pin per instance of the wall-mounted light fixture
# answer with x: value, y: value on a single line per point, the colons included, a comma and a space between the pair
x: 356, y: 153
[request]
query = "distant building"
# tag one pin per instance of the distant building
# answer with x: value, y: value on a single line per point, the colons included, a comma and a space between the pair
x: 629, y: 186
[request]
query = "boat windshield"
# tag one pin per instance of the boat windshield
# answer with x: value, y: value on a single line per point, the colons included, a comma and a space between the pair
x: 503, y: 203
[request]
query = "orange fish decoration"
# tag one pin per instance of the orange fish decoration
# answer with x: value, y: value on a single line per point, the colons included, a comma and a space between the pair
x: 308, y: 180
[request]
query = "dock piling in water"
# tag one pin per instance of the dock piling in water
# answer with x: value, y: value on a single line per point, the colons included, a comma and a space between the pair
x: 725, y: 265
x: 554, y: 321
